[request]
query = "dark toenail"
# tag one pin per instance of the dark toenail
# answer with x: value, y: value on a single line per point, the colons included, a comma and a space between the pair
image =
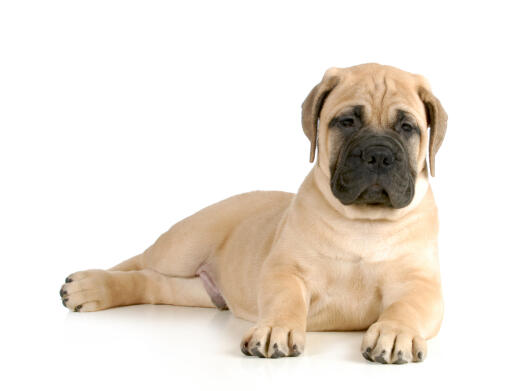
x: 380, y: 358
x: 257, y: 353
x: 368, y: 350
x: 64, y: 302
x: 419, y: 355
x: 275, y: 345
x: 277, y: 353
x: 400, y: 354
x: 62, y: 292
x: 258, y: 344
x: 244, y: 349
x: 367, y: 357
x: 295, y: 352
x: 78, y: 308
x: 383, y: 352
x: 68, y: 280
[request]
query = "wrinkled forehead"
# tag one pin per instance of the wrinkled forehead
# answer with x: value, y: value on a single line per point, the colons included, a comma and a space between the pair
x: 381, y: 94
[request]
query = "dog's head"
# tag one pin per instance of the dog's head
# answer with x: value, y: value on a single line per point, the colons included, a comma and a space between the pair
x: 370, y: 125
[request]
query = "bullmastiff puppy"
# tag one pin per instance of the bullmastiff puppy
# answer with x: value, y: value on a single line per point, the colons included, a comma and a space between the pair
x: 354, y: 249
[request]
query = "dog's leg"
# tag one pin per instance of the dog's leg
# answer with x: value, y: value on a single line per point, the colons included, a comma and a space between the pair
x: 166, y: 273
x: 399, y: 336
x: 138, y: 281
x: 94, y: 290
x: 280, y: 330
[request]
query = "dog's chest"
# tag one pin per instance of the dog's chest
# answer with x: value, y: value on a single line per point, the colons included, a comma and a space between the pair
x: 344, y: 296
x: 348, y: 263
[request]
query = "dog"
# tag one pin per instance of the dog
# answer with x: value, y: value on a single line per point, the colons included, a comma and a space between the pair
x: 354, y: 249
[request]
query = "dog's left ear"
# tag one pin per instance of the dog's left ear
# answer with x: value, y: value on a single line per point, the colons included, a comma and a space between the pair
x: 311, y: 107
x: 437, y: 122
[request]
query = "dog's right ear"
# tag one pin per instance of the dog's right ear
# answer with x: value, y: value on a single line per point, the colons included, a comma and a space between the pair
x: 311, y: 107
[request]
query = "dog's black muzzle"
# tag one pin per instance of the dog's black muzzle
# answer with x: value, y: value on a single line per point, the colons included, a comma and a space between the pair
x: 374, y: 169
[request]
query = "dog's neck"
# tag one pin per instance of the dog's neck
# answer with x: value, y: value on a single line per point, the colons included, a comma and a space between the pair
x: 317, y: 186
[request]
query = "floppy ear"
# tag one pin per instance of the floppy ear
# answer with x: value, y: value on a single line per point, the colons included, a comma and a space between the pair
x: 437, y: 121
x: 311, y: 108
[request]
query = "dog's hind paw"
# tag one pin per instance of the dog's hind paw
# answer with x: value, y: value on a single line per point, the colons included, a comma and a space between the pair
x: 86, y: 291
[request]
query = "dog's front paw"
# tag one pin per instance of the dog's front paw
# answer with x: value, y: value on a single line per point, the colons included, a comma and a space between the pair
x: 273, y: 342
x: 389, y: 342
x: 87, y: 291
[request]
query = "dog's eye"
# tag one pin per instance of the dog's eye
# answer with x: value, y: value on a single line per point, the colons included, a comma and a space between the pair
x: 406, y: 127
x: 346, y: 122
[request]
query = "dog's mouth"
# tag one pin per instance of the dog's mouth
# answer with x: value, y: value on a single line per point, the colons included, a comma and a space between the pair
x: 394, y: 195
x: 374, y: 195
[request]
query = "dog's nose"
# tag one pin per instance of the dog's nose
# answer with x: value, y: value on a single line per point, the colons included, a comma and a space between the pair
x: 378, y: 157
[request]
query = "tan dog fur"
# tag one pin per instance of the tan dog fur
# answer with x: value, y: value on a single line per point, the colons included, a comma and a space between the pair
x: 301, y: 262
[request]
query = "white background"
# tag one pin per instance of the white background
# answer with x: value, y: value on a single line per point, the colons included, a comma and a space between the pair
x: 119, y: 118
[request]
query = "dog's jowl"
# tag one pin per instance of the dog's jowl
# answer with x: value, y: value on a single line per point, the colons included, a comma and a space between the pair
x: 354, y: 249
